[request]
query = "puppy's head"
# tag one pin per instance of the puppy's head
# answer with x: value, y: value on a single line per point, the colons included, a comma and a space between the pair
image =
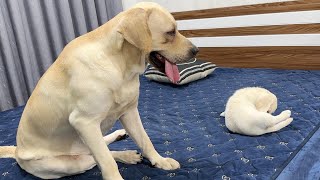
x: 267, y: 102
x: 153, y: 29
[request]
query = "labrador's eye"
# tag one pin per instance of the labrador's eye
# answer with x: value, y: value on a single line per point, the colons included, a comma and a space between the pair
x: 268, y: 111
x: 172, y: 33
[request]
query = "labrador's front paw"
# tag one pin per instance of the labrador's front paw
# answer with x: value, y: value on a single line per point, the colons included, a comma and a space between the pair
x: 166, y: 163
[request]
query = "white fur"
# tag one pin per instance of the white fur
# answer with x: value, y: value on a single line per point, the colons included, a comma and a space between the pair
x: 249, y: 111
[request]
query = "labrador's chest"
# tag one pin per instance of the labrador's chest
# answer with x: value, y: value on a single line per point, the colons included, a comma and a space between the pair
x: 125, y: 97
x: 126, y: 94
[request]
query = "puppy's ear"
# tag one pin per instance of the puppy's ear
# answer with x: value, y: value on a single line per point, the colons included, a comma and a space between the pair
x: 134, y: 29
x: 263, y: 103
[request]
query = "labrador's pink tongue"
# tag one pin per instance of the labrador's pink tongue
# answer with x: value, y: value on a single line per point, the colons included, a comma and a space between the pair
x: 172, y: 72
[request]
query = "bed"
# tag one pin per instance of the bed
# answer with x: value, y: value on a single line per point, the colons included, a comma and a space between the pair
x: 184, y: 123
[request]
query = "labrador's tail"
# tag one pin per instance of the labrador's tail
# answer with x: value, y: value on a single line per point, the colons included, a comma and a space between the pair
x: 7, y: 151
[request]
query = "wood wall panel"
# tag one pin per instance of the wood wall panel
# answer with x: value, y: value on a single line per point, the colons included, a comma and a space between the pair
x: 249, y: 9
x: 288, y: 57
x: 283, y: 57
x: 255, y: 30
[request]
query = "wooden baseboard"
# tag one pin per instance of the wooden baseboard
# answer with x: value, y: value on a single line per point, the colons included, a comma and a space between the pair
x: 284, y: 57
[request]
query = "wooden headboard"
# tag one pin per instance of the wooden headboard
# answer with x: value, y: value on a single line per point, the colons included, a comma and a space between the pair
x: 296, y: 56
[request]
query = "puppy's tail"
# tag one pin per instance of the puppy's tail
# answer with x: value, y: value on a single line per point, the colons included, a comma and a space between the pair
x: 7, y: 151
x: 223, y: 114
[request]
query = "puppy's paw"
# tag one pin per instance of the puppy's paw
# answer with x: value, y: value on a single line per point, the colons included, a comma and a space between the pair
x: 128, y: 157
x: 166, y: 164
x: 289, y: 120
x: 285, y: 114
x: 121, y: 134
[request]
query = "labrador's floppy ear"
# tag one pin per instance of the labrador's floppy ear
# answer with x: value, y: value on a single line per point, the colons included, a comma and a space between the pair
x: 134, y: 29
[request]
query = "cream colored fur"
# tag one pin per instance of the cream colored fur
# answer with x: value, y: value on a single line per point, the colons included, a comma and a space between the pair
x: 248, y: 111
x: 7, y: 151
x: 94, y: 82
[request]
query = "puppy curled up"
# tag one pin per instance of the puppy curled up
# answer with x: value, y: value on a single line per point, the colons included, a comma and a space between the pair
x: 249, y: 111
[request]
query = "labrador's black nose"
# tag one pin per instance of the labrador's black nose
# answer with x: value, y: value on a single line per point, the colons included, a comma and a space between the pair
x: 194, y: 50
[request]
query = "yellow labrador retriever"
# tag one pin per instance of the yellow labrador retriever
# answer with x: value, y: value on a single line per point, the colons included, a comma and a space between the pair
x: 94, y: 82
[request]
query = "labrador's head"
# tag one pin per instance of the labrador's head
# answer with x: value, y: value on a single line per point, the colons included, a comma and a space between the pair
x: 153, y: 29
x: 267, y: 102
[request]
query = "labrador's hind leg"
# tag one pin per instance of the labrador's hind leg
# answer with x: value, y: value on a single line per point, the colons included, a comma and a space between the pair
x: 67, y: 165
x: 115, y: 136
x: 58, y: 166
x: 128, y: 156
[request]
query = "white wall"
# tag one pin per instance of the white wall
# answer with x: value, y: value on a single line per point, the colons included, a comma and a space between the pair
x: 187, y: 5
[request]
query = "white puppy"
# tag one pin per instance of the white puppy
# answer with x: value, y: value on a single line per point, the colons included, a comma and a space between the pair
x: 248, y: 111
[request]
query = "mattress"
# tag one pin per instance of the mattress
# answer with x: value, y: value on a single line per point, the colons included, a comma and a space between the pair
x: 183, y: 122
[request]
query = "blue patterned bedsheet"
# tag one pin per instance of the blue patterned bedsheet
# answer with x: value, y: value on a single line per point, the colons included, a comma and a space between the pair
x: 184, y: 123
